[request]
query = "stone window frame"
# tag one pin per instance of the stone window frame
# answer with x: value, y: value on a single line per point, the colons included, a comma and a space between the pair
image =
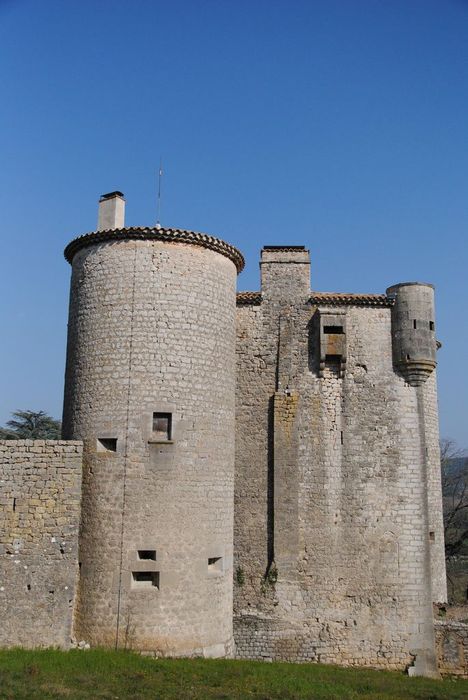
x: 147, y: 424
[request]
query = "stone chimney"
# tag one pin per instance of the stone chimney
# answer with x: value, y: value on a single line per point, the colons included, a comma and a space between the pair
x: 285, y: 272
x: 111, y: 211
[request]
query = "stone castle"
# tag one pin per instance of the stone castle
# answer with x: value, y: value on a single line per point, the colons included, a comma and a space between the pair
x: 254, y: 475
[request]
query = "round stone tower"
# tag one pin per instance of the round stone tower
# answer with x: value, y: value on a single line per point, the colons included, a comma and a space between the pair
x: 413, y: 330
x: 149, y: 388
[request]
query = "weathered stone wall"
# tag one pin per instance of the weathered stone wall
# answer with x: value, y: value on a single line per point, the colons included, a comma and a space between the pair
x: 338, y: 533
x: 430, y: 419
x: 332, y: 535
x: 152, y: 330
x: 40, y: 491
x: 452, y: 647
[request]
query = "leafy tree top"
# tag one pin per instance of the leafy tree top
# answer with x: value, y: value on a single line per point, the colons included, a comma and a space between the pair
x: 31, y: 425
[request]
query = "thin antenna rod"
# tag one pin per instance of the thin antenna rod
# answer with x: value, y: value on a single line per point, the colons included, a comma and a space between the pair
x: 158, y: 222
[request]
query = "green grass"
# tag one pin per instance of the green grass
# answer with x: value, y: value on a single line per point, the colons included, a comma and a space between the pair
x: 94, y: 674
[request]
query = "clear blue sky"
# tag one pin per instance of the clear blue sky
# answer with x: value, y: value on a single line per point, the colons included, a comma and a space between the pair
x: 338, y: 124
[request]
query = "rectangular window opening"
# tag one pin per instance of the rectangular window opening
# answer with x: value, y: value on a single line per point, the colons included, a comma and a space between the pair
x: 431, y: 325
x: 336, y: 330
x: 432, y: 536
x: 148, y: 554
x: 414, y: 323
x: 145, y: 579
x: 162, y: 426
x: 333, y: 359
x: 215, y: 563
x: 107, y: 444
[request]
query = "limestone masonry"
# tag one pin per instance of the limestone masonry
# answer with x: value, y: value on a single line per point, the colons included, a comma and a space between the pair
x: 40, y: 494
x: 254, y: 475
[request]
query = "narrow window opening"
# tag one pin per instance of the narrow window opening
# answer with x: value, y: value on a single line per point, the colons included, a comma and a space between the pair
x: 336, y: 330
x: 408, y: 357
x: 14, y: 505
x: 431, y: 325
x: 432, y: 536
x: 162, y: 426
x: 145, y: 579
x: 414, y: 323
x: 341, y: 437
x: 107, y: 444
x: 333, y: 359
x: 147, y: 554
x: 28, y: 586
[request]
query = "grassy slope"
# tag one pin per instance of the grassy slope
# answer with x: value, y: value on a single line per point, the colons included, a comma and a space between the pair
x: 47, y: 674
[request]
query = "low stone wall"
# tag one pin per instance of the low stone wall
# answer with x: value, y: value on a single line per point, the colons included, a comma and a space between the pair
x: 269, y: 639
x: 40, y: 493
x: 266, y: 639
x: 263, y: 638
x: 452, y: 647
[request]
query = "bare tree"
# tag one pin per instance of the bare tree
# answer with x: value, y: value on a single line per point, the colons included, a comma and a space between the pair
x: 454, y: 465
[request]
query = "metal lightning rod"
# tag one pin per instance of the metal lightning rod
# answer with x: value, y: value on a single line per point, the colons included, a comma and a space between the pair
x: 158, y: 222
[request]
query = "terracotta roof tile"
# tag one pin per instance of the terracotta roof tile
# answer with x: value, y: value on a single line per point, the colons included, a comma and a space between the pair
x: 246, y: 298
x: 325, y: 298
x: 343, y: 299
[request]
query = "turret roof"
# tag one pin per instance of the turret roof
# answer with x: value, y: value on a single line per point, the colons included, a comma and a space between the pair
x: 171, y: 235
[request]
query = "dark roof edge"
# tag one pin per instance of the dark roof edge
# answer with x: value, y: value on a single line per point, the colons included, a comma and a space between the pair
x: 169, y: 235
x: 343, y: 299
x: 325, y: 299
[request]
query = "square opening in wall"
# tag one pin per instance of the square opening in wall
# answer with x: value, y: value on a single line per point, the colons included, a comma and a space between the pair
x: 162, y: 426
x: 145, y: 579
x: 215, y: 564
x: 107, y: 444
x: 148, y: 554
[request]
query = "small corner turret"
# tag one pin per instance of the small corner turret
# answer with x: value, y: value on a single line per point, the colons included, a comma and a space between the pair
x: 413, y: 330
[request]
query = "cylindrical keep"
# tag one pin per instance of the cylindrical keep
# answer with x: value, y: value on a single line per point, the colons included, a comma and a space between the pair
x: 413, y: 330
x: 150, y: 383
